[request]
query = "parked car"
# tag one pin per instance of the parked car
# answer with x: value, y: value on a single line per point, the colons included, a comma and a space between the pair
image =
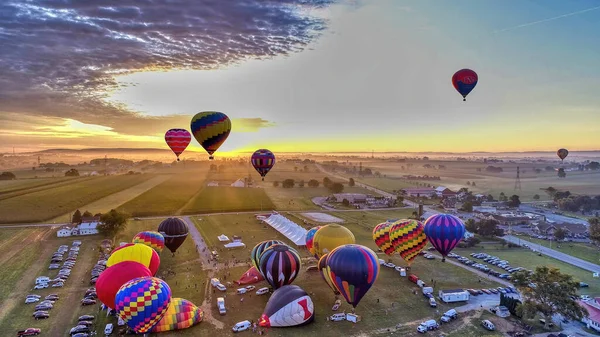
x: 250, y: 288
x: 41, y: 286
x: 30, y: 300
x: 86, y: 318
x: 108, y: 329
x: 40, y: 315
x: 79, y: 328
x: 29, y: 332
x: 221, y: 287
x: 241, y: 326
x: 43, y: 307
x: 58, y: 285
x: 86, y: 323
x: 488, y: 325
x: 262, y: 291
x: 87, y: 301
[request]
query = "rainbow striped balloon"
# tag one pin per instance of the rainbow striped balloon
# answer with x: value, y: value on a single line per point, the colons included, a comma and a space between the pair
x: 178, y: 140
x: 152, y: 239
x: 142, y: 302
x: 444, y: 231
x: 408, y: 238
x: 181, y: 314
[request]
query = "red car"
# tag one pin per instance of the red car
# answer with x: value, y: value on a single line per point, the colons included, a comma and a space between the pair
x: 29, y: 332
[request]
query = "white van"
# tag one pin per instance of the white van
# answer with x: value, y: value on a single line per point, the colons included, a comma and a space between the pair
x: 241, y: 291
x: 449, y: 315
x: 427, y: 325
x: 488, y: 325
x: 353, y: 318
x: 421, y: 283
x: 221, y: 305
x: 214, y: 282
x: 262, y: 291
x: 109, y: 329
x: 337, y: 317
x: 241, y: 326
x: 42, y: 279
x: 432, y: 302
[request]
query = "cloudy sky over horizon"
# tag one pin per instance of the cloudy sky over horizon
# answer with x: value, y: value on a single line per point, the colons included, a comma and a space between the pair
x: 301, y: 75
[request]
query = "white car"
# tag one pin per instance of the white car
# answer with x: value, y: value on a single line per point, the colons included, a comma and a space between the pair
x: 221, y: 287
x: 41, y: 286
x: 29, y: 300
x: 108, y: 329
x: 250, y: 288
x: 262, y: 291
x: 390, y: 265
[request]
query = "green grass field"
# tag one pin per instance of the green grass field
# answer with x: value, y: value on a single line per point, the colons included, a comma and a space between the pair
x: 8, y: 186
x: 584, y: 251
x: 229, y: 199
x: 50, y: 203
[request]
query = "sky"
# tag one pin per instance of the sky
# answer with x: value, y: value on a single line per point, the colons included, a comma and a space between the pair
x: 301, y: 75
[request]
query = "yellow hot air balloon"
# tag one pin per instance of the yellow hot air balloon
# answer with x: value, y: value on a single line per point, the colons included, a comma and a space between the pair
x: 135, y: 252
x: 330, y: 237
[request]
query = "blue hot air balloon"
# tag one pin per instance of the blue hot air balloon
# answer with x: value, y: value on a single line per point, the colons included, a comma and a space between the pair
x: 353, y: 269
x: 444, y: 231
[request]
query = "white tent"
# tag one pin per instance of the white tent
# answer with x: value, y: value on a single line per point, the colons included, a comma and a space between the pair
x: 288, y: 228
x: 223, y: 238
x: 235, y: 245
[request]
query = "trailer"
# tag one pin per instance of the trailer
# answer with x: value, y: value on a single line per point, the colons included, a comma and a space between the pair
x: 454, y: 295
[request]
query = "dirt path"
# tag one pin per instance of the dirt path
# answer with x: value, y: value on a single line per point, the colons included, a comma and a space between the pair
x: 201, y: 247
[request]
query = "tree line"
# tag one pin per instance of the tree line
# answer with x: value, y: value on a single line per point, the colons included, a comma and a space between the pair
x: 333, y: 187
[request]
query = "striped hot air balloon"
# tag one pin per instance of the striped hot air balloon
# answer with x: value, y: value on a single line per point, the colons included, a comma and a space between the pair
x: 381, y: 236
x: 310, y: 235
x: 444, y: 231
x: 408, y: 239
x: 263, y: 161
x: 136, y: 252
x: 142, y: 302
x: 324, y: 271
x: 289, y: 306
x: 178, y: 140
x: 259, y: 249
x: 181, y: 314
x: 280, y: 265
x: 211, y: 129
x: 152, y: 239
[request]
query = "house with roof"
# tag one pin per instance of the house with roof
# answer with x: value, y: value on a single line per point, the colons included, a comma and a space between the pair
x: 89, y: 226
x: 353, y: 198
x: 444, y: 192
x: 507, y: 219
x: 592, y: 319
x: 424, y: 192
x: 64, y: 232
x: 239, y: 183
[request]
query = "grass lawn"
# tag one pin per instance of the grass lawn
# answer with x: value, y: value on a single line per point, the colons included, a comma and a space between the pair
x: 300, y: 198
x: 50, y: 203
x: 584, y: 251
x: 229, y: 199
x: 167, y: 197
x: 470, y: 325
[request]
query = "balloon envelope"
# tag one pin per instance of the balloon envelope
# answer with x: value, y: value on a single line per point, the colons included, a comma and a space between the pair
x: 310, y: 235
x: 279, y: 264
x: 142, y: 302
x: 263, y: 160
x: 562, y: 153
x: 324, y: 271
x: 329, y: 237
x: 353, y: 269
x: 175, y: 231
x: 289, y: 305
x: 444, y: 231
x: 152, y: 239
x: 381, y: 236
x: 211, y: 129
x: 464, y: 81
x: 408, y: 238
x: 178, y: 140
x: 250, y: 276
x: 135, y: 252
x: 181, y: 314
x: 259, y: 249
x: 113, y: 277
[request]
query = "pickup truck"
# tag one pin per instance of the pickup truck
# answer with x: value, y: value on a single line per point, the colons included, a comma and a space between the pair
x: 29, y: 332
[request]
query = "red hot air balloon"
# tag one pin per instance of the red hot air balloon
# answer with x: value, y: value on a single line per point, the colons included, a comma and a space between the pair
x: 562, y: 154
x: 464, y: 81
x: 111, y: 279
x: 178, y: 140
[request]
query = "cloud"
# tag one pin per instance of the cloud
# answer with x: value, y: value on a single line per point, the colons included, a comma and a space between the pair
x: 58, y: 58
x: 250, y: 124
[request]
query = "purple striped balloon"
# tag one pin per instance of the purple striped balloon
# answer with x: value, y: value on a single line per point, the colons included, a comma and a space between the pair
x: 444, y: 231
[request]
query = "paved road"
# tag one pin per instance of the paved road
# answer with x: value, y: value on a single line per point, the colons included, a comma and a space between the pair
x: 556, y: 254
x: 201, y: 247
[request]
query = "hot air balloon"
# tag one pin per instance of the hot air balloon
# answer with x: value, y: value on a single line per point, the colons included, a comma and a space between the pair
x: 259, y: 249
x: 310, y: 235
x: 289, y: 306
x: 381, y: 236
x: 464, y: 81
x: 353, y: 269
x: 178, y: 140
x: 408, y: 239
x: 252, y: 275
x: 135, y: 252
x: 263, y: 160
x: 152, y: 239
x: 279, y: 264
x: 142, y: 302
x: 175, y: 231
x: 324, y: 271
x: 113, y: 277
x: 329, y: 237
x: 211, y: 129
x: 181, y: 314
x: 562, y: 154
x: 444, y: 231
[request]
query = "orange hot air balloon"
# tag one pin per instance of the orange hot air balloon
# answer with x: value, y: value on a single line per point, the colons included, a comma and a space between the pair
x: 135, y: 252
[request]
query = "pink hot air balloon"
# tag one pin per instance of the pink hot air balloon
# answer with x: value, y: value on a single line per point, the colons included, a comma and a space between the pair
x: 178, y: 140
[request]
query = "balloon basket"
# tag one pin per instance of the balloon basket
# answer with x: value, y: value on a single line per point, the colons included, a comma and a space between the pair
x: 211, y: 157
x: 263, y: 179
x: 464, y: 99
x: 178, y: 159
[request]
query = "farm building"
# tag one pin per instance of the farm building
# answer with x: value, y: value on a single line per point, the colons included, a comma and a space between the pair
x: 64, y: 232
x: 444, y: 192
x: 88, y: 228
x: 425, y: 192
x: 484, y: 209
x: 239, y: 183
x: 468, y: 235
x: 513, y: 219
x: 592, y: 319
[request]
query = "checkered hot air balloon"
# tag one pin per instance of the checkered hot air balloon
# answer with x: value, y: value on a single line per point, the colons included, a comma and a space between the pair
x: 112, y: 278
x: 280, y: 265
x: 211, y: 129
x: 263, y: 160
x: 444, y: 231
x: 142, y: 302
x: 152, y: 239
x: 408, y: 239
x: 181, y: 314
x: 178, y: 140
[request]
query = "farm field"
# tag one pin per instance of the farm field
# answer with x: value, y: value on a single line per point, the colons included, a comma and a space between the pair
x: 228, y: 199
x: 7, y: 186
x: 47, y: 204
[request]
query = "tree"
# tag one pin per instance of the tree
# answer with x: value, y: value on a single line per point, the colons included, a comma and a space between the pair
x: 288, y: 183
x: 276, y: 184
x: 112, y: 222
x: 560, y: 233
x: 472, y: 183
x: 488, y: 227
x: 471, y: 226
x: 503, y: 243
x: 561, y: 173
x: 536, y: 197
x: 399, y: 200
x: 336, y: 188
x: 547, y: 291
x: 296, y: 168
x: 327, y: 182
x: 7, y: 176
x: 490, y: 198
x: 351, y: 182
x: 76, y: 217
x: 72, y: 173
x: 468, y: 183
x: 514, y: 201
x: 594, y: 165
x: 595, y: 229
x: 87, y: 214
x: 313, y: 183
x: 551, y: 191
x: 467, y: 207
x: 472, y: 241
x: 503, y: 197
